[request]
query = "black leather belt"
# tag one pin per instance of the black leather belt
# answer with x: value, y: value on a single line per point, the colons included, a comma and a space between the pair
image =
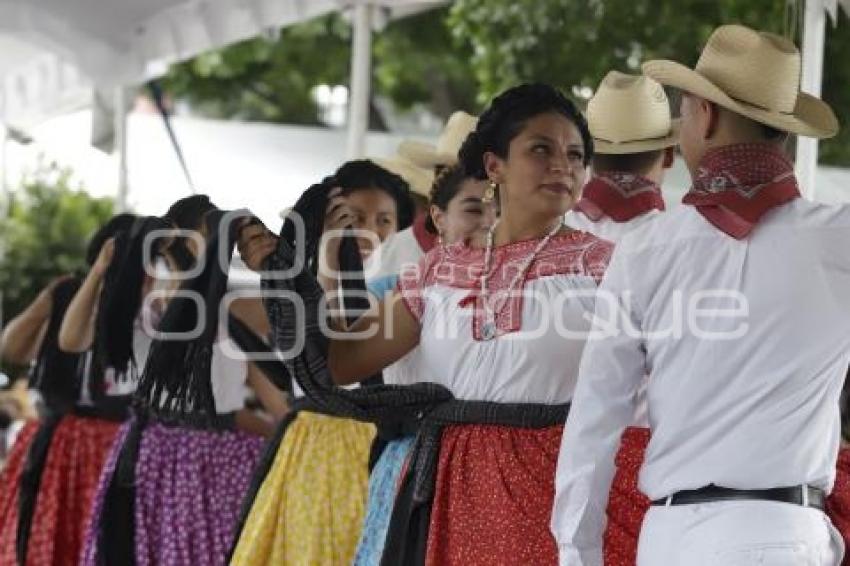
x: 806, y: 496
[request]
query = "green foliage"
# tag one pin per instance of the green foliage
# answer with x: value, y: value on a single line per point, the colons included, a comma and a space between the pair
x: 415, y: 61
x: 573, y: 44
x: 45, y: 234
x: 418, y: 61
x: 836, y: 90
x: 266, y: 79
x: 461, y: 56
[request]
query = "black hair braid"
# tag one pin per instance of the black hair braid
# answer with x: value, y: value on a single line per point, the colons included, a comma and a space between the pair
x: 118, y: 223
x: 120, y: 301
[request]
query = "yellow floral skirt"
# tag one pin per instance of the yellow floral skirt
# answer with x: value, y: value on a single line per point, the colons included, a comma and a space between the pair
x: 309, y: 510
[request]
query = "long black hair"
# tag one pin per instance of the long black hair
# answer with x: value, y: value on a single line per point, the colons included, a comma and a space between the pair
x: 186, y: 214
x: 121, y: 299
x: 176, y: 383
x: 56, y: 374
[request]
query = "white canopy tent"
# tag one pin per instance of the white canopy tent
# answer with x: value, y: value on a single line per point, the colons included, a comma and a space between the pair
x: 54, y: 52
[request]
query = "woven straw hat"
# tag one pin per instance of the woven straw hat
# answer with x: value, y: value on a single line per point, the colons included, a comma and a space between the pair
x: 755, y: 74
x: 458, y: 127
x: 419, y: 179
x: 630, y: 114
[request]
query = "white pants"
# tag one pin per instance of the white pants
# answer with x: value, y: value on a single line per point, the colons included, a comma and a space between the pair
x: 739, y: 533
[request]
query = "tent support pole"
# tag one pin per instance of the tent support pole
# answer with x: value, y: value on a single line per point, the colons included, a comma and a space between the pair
x: 814, y: 32
x: 361, y: 79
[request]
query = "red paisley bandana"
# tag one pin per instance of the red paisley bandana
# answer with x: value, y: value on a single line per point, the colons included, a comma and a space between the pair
x: 736, y: 185
x: 620, y: 196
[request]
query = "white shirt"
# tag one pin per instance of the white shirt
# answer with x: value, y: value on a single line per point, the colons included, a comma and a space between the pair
x: 758, y: 410
x: 607, y: 228
x: 394, y: 254
x: 228, y: 373
x: 534, y: 363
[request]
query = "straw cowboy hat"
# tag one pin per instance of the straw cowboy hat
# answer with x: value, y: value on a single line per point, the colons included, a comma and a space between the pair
x: 419, y: 179
x: 630, y: 114
x: 458, y: 127
x: 755, y: 74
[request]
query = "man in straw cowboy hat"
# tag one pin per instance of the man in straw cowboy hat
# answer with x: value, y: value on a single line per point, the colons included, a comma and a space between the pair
x: 633, y: 139
x: 738, y: 306
x: 409, y: 245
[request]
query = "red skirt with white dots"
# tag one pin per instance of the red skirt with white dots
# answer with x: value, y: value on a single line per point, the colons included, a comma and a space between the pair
x: 838, y: 502
x: 493, y: 498
x: 69, y: 480
x: 626, y: 504
x: 9, y: 490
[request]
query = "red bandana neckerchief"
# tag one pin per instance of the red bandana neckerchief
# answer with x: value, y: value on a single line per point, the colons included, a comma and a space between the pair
x: 424, y: 238
x: 736, y: 185
x: 620, y: 196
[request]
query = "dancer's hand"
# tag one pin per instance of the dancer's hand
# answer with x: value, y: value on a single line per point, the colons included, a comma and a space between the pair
x: 338, y: 217
x: 255, y: 244
x: 104, y: 258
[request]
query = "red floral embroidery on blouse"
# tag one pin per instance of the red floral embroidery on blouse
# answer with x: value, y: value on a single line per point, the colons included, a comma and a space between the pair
x: 459, y: 266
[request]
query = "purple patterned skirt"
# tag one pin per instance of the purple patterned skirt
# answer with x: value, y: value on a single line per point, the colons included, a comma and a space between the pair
x: 189, y: 487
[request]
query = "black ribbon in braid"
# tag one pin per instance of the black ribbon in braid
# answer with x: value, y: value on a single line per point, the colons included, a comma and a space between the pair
x: 381, y: 404
x: 248, y: 341
x: 119, y: 304
x: 176, y: 385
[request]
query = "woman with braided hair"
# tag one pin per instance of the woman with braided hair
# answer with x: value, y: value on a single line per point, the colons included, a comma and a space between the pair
x: 500, y: 323
x: 456, y: 214
x: 309, y: 495
x: 171, y: 489
x: 32, y: 338
x: 86, y: 401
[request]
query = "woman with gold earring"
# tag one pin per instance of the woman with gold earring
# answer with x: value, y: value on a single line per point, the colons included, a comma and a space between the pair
x: 481, y: 480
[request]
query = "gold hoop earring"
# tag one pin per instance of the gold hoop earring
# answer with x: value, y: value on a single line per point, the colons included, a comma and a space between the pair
x: 490, y: 192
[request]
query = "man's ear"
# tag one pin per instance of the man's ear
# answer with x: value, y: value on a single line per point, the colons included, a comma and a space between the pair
x: 711, y: 116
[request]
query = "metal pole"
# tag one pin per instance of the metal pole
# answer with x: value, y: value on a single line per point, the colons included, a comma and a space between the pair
x: 814, y: 33
x: 361, y: 79
x: 121, y: 202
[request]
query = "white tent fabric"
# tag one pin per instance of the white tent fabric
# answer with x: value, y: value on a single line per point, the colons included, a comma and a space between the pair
x: 48, y: 47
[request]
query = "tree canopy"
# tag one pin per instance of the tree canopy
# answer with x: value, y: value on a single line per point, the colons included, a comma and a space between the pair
x: 459, y: 56
x: 44, y: 234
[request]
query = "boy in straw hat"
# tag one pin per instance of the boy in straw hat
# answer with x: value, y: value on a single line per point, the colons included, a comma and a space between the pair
x: 715, y: 300
x: 634, y: 139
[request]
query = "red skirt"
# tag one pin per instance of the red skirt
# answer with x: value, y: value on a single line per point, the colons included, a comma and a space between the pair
x: 77, y: 453
x: 9, y: 481
x: 493, y: 497
x: 626, y: 504
x: 838, y: 502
